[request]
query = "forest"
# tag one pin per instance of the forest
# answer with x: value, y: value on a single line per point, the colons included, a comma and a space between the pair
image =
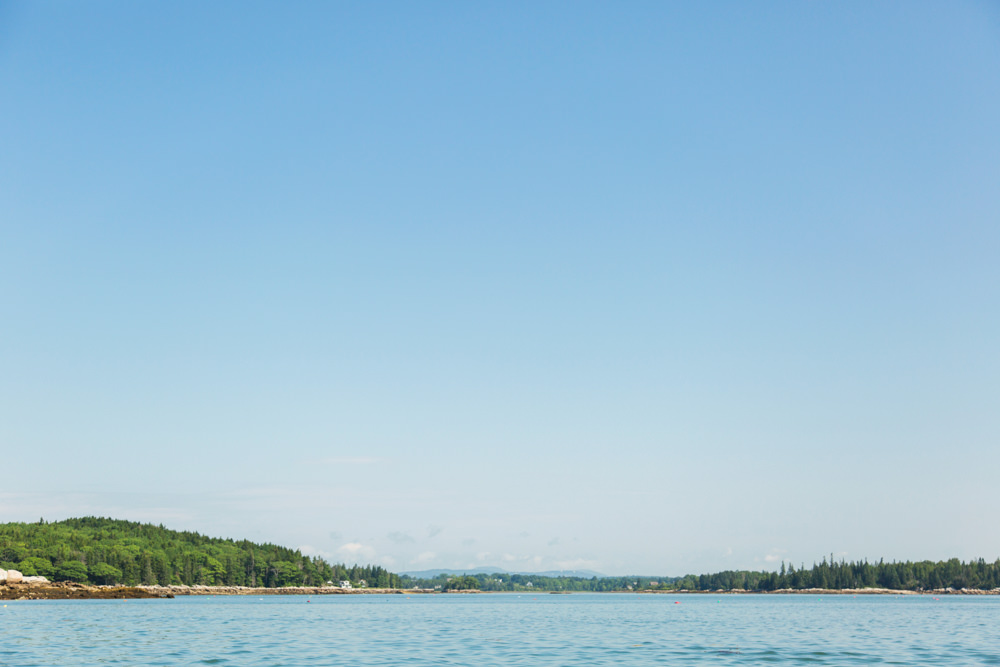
x: 828, y: 574
x: 108, y: 551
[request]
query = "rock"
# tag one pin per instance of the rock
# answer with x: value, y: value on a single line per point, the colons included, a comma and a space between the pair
x: 35, y: 580
x: 14, y: 577
x: 3, y: 576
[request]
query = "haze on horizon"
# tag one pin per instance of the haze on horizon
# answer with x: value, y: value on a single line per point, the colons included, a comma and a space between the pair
x: 642, y: 288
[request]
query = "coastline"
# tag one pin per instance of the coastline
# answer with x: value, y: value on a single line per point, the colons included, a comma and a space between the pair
x: 832, y: 591
x: 181, y: 589
x: 68, y: 590
x: 75, y: 591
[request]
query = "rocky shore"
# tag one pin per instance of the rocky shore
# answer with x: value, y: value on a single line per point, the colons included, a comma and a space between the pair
x: 290, y: 590
x: 68, y: 590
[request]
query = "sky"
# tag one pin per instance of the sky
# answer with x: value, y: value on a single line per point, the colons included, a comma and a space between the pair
x: 639, y: 288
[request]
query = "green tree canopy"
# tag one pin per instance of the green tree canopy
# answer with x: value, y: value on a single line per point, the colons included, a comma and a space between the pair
x: 71, y: 570
x: 36, y: 566
x: 147, y: 554
x: 102, y: 573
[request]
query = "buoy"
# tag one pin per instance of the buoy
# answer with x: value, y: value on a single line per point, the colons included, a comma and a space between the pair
x: 676, y: 602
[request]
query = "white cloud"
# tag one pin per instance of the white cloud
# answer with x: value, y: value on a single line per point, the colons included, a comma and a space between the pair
x: 309, y: 550
x: 776, y: 556
x: 425, y: 557
x: 577, y: 564
x: 356, y: 551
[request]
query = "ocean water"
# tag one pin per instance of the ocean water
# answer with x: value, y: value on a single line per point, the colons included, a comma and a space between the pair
x: 504, y: 629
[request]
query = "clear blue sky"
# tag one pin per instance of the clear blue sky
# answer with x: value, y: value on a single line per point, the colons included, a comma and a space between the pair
x: 634, y: 287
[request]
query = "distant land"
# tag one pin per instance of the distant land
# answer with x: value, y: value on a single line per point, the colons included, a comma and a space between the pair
x: 430, y: 574
x: 110, y: 552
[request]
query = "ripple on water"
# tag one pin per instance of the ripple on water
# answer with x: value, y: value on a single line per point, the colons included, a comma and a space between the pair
x: 504, y: 630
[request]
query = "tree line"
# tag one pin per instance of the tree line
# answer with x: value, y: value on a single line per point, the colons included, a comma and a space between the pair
x: 506, y: 582
x: 828, y: 574
x: 108, y: 551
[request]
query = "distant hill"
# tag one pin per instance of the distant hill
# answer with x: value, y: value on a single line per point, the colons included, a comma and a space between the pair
x: 431, y: 574
x: 109, y: 551
x: 584, y: 574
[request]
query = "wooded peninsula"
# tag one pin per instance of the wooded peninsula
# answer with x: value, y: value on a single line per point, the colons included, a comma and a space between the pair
x: 102, y: 551
x: 108, y: 551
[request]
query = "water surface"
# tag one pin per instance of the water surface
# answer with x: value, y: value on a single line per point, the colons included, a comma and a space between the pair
x: 504, y: 629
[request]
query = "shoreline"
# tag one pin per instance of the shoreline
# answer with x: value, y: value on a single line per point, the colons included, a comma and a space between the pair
x: 180, y: 589
x: 832, y: 591
x: 75, y: 591
x: 68, y: 590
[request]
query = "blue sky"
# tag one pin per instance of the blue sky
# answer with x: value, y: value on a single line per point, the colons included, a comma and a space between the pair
x: 638, y: 288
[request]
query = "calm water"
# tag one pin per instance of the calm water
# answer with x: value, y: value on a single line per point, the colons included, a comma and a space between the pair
x: 504, y: 630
